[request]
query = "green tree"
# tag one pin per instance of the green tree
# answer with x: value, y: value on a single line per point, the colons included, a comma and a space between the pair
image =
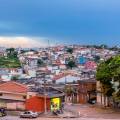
x: 71, y: 64
x: 108, y: 72
x: 14, y: 78
x: 40, y: 62
x: 11, y: 61
x: 11, y: 53
x: 23, y: 51
x: 68, y: 90
x: 103, y: 46
x: 104, y: 76
x: 70, y: 50
x: 115, y: 48
x: 97, y: 58
x: 10, y: 50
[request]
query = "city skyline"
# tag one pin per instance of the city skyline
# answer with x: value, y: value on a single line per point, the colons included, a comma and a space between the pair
x: 61, y: 22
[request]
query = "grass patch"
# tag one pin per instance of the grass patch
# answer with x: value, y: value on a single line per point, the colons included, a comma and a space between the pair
x: 6, y: 62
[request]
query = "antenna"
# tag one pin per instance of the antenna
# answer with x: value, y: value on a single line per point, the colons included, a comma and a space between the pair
x: 49, y: 51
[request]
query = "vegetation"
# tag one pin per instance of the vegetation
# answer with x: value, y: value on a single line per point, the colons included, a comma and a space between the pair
x: 108, y: 73
x: 102, y: 46
x: 14, y: 78
x: 71, y: 91
x: 23, y: 51
x: 115, y: 48
x: 97, y: 59
x: 40, y: 63
x: 70, y: 50
x: 11, y: 53
x: 71, y: 64
x: 71, y: 60
x: 11, y: 61
x: 68, y: 90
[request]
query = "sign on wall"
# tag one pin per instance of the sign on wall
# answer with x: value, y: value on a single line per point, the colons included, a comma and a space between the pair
x: 55, y: 104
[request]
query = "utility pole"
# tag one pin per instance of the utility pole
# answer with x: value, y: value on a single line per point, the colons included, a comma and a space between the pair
x: 49, y: 52
x: 45, y: 97
x: 45, y: 94
x: 65, y: 80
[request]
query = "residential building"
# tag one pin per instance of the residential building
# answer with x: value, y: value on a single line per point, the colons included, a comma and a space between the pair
x: 13, y: 95
x: 86, y: 90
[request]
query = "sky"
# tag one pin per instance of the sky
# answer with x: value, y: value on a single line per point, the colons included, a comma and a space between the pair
x: 34, y: 22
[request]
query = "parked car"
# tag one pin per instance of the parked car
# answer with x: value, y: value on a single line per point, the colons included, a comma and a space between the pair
x: 2, y: 112
x: 29, y: 114
x: 92, y: 101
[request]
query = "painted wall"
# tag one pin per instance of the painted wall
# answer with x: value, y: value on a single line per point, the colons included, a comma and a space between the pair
x: 12, y: 96
x: 37, y: 104
x: 68, y: 78
x: 12, y: 105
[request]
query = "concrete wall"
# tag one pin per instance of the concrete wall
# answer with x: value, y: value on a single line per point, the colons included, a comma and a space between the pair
x: 16, y: 106
x: 12, y: 96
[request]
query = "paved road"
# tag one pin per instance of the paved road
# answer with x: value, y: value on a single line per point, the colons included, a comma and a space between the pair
x: 17, y: 118
x: 86, y: 113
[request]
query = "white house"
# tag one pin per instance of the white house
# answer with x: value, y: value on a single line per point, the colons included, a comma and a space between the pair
x: 62, y: 78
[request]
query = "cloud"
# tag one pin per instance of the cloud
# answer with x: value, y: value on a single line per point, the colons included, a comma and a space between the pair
x: 23, y: 42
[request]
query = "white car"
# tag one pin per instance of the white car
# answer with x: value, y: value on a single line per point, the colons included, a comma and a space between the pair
x: 29, y: 114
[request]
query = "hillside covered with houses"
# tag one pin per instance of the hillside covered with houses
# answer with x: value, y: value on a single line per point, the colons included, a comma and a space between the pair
x: 64, y: 72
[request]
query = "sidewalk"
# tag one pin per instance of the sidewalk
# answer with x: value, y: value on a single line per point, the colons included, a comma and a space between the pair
x: 65, y: 114
x: 69, y: 114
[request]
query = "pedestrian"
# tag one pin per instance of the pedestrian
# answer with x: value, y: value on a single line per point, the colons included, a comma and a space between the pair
x: 62, y: 105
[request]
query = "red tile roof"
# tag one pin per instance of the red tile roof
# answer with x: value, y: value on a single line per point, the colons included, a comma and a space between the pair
x: 90, y: 65
x: 13, y: 87
x: 56, y: 77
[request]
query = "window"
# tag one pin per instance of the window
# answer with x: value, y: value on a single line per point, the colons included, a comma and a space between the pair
x: 28, y: 112
x: 25, y: 112
x: 1, y: 94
